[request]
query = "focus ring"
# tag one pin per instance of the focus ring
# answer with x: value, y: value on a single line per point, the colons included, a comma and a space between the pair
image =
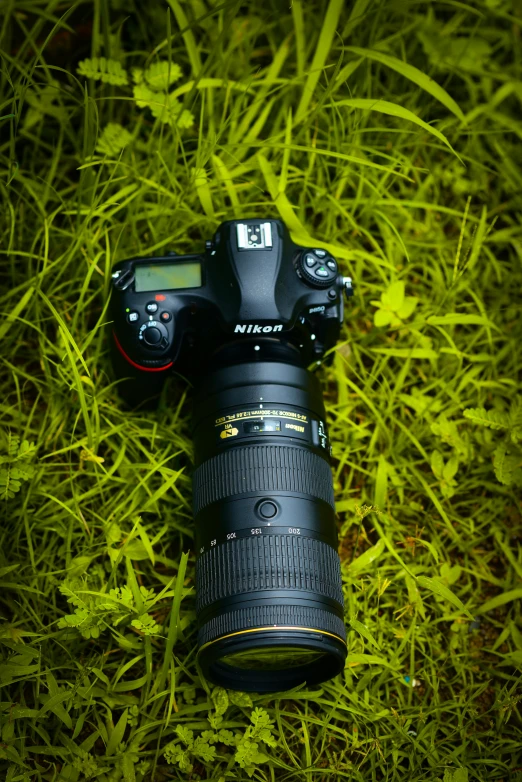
x: 256, y: 617
x: 274, y: 468
x: 268, y: 562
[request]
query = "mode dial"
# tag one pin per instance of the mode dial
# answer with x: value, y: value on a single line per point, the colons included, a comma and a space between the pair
x: 317, y: 268
x: 153, y: 335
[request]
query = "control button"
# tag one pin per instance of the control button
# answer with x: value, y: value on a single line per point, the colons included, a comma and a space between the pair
x: 151, y: 307
x: 152, y: 336
x: 165, y: 317
x: 332, y: 294
x: 322, y: 272
x: 320, y: 253
x: 348, y: 287
x: 267, y: 510
x: 310, y: 260
x: 319, y: 438
x: 332, y: 265
x: 133, y: 317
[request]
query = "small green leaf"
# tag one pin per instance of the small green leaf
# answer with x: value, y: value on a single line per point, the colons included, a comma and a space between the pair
x: 393, y: 298
x: 242, y: 699
x: 203, y: 750
x: 383, y: 318
x: 437, y: 464
x: 116, y: 736
x: 186, y: 735
x: 456, y: 775
x: 143, y: 95
x: 220, y: 700
x: 113, y: 139
x: 160, y: 76
x: 363, y: 630
x: 364, y: 561
x: 507, y: 465
x: 450, y: 574
x: 407, y: 307
x: 495, y: 419
x: 450, y: 468
x: 146, y: 624
x: 226, y: 737
x: 103, y: 69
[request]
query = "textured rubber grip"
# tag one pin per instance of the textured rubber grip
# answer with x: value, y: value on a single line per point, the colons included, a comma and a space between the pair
x: 268, y: 562
x: 276, y: 468
x: 256, y: 617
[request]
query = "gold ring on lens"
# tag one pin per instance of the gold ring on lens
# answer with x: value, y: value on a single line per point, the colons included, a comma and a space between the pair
x: 278, y: 627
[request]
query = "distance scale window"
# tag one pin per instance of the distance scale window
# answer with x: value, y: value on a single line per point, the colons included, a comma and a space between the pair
x: 267, y: 425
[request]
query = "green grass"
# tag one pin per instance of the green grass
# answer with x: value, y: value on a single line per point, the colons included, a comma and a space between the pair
x: 389, y: 133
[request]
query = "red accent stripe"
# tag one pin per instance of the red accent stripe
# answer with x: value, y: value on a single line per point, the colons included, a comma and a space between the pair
x: 139, y: 366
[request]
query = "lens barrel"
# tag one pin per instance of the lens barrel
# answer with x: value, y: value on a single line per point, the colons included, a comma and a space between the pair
x: 268, y: 581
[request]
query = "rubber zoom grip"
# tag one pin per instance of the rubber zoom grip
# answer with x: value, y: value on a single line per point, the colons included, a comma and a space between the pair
x: 268, y: 562
x: 256, y: 468
x: 257, y: 617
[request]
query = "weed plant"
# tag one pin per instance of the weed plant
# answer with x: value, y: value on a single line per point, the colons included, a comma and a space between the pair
x: 389, y: 133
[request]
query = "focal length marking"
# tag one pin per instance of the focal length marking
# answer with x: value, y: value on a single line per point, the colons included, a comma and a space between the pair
x: 263, y: 530
x: 261, y: 414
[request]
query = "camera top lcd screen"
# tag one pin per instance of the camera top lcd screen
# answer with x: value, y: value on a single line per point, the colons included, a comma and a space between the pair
x: 167, y: 276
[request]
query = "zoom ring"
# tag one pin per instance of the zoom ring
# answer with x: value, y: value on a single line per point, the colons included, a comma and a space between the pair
x: 256, y: 617
x: 268, y: 562
x: 257, y: 468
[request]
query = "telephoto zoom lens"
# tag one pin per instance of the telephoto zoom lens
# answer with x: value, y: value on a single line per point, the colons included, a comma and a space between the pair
x: 268, y: 579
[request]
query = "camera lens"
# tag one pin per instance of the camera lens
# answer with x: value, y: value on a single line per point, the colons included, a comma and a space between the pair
x: 268, y: 582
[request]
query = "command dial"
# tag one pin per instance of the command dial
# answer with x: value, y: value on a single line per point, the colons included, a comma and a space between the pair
x: 153, y: 335
x: 318, y: 268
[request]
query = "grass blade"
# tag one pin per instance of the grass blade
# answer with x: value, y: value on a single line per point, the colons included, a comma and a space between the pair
x: 413, y: 74
x: 393, y: 110
x: 500, y: 600
x: 443, y: 591
x: 321, y: 53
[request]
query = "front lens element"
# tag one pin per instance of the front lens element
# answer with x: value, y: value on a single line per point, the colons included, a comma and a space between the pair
x: 271, y: 659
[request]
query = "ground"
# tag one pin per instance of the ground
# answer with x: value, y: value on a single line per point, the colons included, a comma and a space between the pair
x: 389, y: 133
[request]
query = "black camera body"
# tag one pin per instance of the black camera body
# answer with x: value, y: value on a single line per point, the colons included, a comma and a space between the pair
x: 251, y: 283
x: 243, y: 321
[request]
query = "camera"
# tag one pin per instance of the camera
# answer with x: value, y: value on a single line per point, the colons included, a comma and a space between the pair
x: 242, y: 321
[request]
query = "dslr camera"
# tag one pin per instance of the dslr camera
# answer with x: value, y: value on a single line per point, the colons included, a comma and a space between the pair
x: 243, y: 320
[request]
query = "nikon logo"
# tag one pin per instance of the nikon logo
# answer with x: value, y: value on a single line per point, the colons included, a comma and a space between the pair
x: 252, y: 328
